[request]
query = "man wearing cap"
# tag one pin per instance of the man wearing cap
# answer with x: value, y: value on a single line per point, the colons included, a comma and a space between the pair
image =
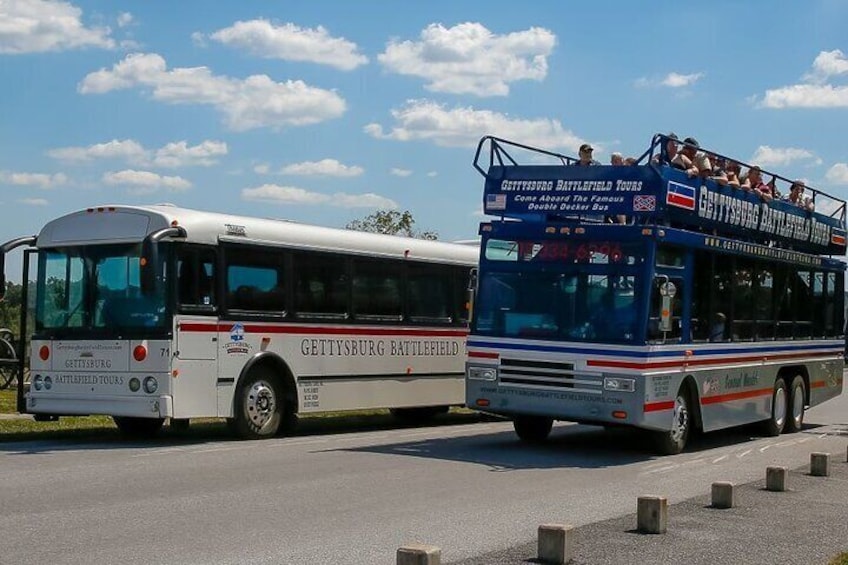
x: 690, y: 159
x: 586, y: 156
x: 668, y: 151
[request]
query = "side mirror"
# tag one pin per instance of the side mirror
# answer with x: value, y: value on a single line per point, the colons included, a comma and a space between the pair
x: 5, y: 248
x: 150, y: 269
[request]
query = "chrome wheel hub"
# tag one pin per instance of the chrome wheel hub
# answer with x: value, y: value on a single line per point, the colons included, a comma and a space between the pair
x: 779, y: 408
x: 260, y: 403
x: 680, y: 422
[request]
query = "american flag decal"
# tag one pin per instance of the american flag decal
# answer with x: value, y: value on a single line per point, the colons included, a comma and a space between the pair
x: 680, y: 196
x: 644, y: 203
x: 496, y: 202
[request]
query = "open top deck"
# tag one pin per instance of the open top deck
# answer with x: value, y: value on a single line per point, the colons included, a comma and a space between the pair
x: 550, y: 187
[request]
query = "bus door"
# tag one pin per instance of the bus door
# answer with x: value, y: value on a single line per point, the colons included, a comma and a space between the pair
x: 196, y: 336
x: 665, y: 318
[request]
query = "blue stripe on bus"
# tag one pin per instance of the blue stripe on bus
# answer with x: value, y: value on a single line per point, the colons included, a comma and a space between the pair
x: 648, y: 354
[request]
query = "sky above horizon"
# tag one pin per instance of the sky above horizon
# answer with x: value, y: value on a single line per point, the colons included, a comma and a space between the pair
x: 324, y: 111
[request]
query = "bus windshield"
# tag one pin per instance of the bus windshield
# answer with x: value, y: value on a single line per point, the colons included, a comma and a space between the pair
x: 569, y: 305
x: 95, y: 288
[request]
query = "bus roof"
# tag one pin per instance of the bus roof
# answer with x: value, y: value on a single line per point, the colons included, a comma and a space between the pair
x: 131, y: 224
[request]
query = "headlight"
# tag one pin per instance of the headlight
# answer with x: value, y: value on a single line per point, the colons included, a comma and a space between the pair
x: 618, y: 384
x: 48, y: 382
x: 150, y: 385
x: 38, y: 382
x: 135, y: 384
x: 483, y: 373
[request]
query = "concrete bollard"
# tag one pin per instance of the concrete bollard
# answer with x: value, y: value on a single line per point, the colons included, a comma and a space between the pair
x: 556, y: 543
x: 776, y: 479
x: 722, y: 495
x: 652, y: 514
x: 820, y: 464
x: 419, y: 554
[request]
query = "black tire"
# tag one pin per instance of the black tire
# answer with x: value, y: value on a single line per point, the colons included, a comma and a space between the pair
x: 796, y: 408
x: 674, y: 440
x: 259, y: 406
x: 533, y: 429
x: 779, y: 404
x: 138, y: 428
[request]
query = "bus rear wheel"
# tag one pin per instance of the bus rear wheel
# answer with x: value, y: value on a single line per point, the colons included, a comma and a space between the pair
x: 533, y: 429
x: 777, y: 421
x: 259, y: 407
x: 797, y: 405
x: 138, y: 428
x: 673, y: 441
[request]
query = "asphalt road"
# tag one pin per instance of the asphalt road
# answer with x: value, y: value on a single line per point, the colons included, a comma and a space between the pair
x: 356, y: 497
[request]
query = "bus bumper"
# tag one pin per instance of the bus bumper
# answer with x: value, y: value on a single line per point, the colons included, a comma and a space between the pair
x: 73, y: 405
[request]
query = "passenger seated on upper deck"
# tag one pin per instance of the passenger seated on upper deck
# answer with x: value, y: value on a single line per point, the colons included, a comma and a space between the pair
x: 668, y: 152
x: 731, y: 170
x: 586, y: 156
x: 690, y: 159
x: 616, y: 159
x: 796, y: 196
x: 753, y: 181
x: 719, y: 172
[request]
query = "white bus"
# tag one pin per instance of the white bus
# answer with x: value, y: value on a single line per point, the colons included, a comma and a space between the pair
x: 151, y: 312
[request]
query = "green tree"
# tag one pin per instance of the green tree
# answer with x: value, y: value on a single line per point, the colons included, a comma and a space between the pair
x: 10, y: 307
x: 391, y: 222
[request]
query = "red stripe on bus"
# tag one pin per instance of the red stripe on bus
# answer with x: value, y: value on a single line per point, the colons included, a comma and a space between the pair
x: 483, y: 354
x: 703, y: 362
x: 657, y: 406
x: 736, y: 396
x: 311, y: 330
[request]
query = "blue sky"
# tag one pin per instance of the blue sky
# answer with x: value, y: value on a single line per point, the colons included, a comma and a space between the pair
x: 322, y: 111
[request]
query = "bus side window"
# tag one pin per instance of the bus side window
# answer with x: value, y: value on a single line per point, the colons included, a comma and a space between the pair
x: 196, y: 278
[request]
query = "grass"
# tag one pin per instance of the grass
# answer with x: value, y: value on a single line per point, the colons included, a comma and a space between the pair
x: 101, y: 428
x: 841, y: 559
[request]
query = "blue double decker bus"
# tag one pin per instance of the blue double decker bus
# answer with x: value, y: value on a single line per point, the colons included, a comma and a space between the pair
x: 640, y: 296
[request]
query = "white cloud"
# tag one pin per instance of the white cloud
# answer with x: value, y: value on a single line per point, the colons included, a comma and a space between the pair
x: 291, y: 43
x: 325, y: 167
x: 261, y: 169
x: 37, y: 180
x: 671, y: 80
x: 676, y: 80
x: 124, y: 19
x: 772, y: 156
x: 463, y: 127
x: 34, y: 201
x: 837, y: 174
x: 814, y: 91
x: 145, y: 182
x: 400, y: 172
x: 180, y: 154
x: 37, y: 26
x: 171, y: 155
x: 470, y: 59
x: 432, y: 174
x: 293, y: 195
x: 254, y: 102
x: 115, y: 149
x: 827, y: 64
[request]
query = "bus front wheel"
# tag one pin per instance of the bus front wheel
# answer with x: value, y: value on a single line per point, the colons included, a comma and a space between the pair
x: 533, y: 429
x: 777, y: 421
x: 138, y: 428
x: 259, y: 407
x: 673, y: 441
x: 797, y: 404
